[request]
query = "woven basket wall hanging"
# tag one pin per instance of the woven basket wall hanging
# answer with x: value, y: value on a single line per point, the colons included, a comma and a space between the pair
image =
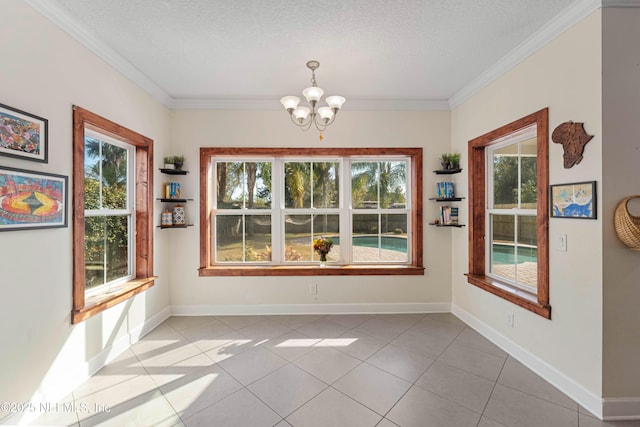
x: 627, y: 226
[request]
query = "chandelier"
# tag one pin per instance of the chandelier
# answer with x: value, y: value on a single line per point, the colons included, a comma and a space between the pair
x: 303, y: 116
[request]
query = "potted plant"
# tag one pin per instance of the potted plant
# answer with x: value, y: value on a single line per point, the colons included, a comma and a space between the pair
x: 168, y: 163
x: 178, y: 161
x: 445, y: 161
x: 454, y: 160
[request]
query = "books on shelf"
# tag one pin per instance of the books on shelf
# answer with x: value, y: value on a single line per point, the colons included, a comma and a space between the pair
x: 448, y: 215
x: 445, y: 190
x: 172, y: 190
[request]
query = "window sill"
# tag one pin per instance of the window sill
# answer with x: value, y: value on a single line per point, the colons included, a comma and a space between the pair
x: 98, y: 303
x: 517, y: 296
x: 310, y: 270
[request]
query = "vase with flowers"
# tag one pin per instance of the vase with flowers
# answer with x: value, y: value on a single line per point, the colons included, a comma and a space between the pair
x: 322, y: 245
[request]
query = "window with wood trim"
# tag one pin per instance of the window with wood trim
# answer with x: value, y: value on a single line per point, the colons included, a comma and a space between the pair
x: 509, y: 204
x: 112, y: 214
x: 262, y: 208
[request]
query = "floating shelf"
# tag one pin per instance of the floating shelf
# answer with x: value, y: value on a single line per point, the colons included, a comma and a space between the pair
x: 174, y: 171
x: 175, y: 200
x: 447, y: 171
x: 175, y: 226
x: 447, y: 225
x: 446, y: 199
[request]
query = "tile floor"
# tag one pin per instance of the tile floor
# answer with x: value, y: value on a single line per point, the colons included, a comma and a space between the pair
x: 338, y: 370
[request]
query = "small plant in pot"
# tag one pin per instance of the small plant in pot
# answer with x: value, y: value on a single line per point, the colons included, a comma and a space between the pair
x: 168, y: 163
x: 178, y: 161
x: 454, y: 160
x: 445, y: 161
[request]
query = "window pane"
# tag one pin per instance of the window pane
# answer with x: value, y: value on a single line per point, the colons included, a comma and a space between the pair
x: 117, y: 248
x: 503, y: 246
x: 258, y: 238
x: 94, y: 243
x: 114, y: 177
x: 327, y: 226
x: 364, y: 185
x: 258, y: 185
x: 106, y: 249
x: 92, y: 174
x: 230, y: 185
x: 392, y: 184
x: 505, y: 177
x: 528, y: 167
x: 527, y: 265
x: 297, y: 238
x: 365, y: 238
x: 393, y: 241
x: 228, y: 238
x: 325, y: 185
x: 297, y: 185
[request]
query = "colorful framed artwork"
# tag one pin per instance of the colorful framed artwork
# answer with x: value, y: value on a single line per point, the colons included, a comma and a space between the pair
x: 30, y: 200
x: 23, y: 135
x: 575, y: 200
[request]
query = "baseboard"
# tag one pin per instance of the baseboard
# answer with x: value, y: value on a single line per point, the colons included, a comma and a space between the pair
x: 568, y: 386
x: 615, y: 409
x: 271, y: 309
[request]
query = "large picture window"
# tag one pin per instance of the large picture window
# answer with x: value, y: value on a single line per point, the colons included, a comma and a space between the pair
x: 508, y: 222
x: 262, y: 209
x: 113, y: 207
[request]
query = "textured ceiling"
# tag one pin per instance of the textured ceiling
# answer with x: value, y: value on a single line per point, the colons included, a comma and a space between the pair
x: 257, y: 49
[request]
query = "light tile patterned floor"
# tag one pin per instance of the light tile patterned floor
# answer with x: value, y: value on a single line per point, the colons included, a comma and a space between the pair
x: 343, y: 370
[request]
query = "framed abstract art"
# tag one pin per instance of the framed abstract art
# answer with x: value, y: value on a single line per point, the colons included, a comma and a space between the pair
x: 30, y: 200
x: 23, y: 135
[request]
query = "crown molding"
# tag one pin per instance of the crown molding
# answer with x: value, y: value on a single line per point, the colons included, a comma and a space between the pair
x: 620, y: 3
x: 273, y: 104
x: 62, y: 19
x: 569, y: 17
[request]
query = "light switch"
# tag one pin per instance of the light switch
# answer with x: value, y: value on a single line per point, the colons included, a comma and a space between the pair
x: 561, y: 243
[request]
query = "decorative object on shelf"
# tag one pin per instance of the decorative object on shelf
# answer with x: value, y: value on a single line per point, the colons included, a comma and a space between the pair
x: 445, y: 190
x: 32, y: 200
x: 627, y: 226
x: 450, y: 161
x: 172, y: 190
x: 179, y: 216
x: 303, y: 116
x: 575, y: 200
x: 322, y: 245
x: 168, y: 163
x: 573, y: 138
x: 174, y: 162
x: 166, y: 220
x: 178, y: 162
x: 23, y: 135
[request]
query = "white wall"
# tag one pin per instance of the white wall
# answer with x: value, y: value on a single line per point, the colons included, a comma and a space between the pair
x: 194, y: 129
x: 565, y: 76
x: 621, y: 178
x: 43, y: 71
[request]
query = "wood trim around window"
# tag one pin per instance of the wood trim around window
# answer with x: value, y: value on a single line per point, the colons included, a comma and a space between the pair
x: 537, y: 303
x: 84, y: 308
x: 207, y: 269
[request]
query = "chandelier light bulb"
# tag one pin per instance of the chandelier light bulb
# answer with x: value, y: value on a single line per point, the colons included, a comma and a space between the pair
x: 301, y: 113
x: 303, y: 116
x: 313, y: 94
x: 290, y: 102
x: 335, y: 101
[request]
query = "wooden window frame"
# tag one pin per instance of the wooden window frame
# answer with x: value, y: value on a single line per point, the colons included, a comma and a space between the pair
x: 86, y: 307
x: 207, y: 155
x: 539, y: 302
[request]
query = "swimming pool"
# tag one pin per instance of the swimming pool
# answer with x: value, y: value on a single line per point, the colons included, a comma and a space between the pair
x: 392, y: 243
x: 504, y: 254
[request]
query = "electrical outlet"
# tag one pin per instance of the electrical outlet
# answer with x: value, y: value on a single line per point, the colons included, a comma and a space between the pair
x: 510, y: 319
x: 313, y: 289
